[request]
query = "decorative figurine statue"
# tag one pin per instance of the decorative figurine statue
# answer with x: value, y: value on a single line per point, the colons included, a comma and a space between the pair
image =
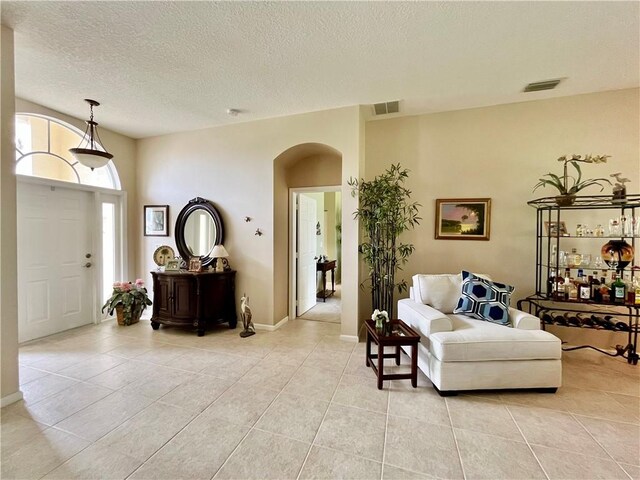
x: 245, y: 313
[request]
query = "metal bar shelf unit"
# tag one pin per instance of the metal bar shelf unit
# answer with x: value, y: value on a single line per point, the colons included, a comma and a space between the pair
x: 547, y: 210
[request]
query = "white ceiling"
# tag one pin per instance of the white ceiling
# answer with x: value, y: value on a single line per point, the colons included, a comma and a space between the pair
x: 160, y: 67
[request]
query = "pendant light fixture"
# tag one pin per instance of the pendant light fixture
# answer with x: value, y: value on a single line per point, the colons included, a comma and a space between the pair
x: 87, y: 152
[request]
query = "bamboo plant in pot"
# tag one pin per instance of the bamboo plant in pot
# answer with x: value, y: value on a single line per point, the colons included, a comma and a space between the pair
x: 568, y: 185
x: 385, y: 211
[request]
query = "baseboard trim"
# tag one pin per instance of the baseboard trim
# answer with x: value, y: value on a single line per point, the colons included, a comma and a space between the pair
x: 9, y: 399
x: 271, y: 328
x: 349, y: 338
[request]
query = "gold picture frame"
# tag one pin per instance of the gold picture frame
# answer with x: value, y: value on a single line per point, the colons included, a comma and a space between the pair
x: 463, y: 218
x: 172, y: 265
x: 195, y: 264
x: 555, y: 229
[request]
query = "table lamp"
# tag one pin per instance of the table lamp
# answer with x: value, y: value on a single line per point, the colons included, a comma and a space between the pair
x: 220, y: 254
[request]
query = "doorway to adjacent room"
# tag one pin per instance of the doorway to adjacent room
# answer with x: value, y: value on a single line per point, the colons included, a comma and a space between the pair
x: 316, y: 254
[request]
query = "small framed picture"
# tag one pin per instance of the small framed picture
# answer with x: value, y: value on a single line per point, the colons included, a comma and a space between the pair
x: 156, y: 220
x: 195, y: 264
x: 555, y: 229
x: 463, y: 218
x: 172, y: 265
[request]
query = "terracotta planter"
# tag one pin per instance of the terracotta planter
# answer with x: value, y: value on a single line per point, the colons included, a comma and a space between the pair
x: 121, y: 319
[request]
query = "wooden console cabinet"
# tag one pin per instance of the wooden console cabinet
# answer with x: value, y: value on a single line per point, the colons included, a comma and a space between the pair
x: 193, y: 299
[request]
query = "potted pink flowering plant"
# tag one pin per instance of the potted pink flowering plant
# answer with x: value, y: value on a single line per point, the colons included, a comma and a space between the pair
x: 128, y: 300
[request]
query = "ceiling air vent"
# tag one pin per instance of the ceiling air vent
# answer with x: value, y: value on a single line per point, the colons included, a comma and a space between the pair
x: 386, y: 107
x: 544, y: 85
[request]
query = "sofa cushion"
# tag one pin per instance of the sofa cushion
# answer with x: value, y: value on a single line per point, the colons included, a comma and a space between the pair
x: 439, y: 291
x: 483, y: 299
x: 476, y: 340
x: 423, y: 318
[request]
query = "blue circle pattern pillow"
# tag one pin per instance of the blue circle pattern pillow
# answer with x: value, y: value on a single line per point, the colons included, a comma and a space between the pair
x: 483, y: 299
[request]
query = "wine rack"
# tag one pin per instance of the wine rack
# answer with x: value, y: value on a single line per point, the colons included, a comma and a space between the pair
x: 623, y: 317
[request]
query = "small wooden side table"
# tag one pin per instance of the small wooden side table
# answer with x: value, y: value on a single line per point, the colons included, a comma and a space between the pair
x: 400, y: 334
x: 324, y: 267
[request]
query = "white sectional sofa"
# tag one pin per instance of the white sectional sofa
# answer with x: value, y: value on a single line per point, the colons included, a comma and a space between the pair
x: 460, y: 353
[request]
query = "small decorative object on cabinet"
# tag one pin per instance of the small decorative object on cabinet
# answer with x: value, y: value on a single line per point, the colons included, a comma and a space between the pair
x: 559, y: 275
x: 163, y: 254
x: 193, y: 299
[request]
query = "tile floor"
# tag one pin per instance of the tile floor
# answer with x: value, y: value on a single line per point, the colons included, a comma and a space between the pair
x: 113, y: 402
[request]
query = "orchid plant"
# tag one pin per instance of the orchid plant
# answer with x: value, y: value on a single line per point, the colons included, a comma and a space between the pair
x: 131, y: 296
x: 569, y: 184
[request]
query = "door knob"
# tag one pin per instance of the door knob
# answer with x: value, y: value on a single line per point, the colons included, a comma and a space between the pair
x: 87, y: 265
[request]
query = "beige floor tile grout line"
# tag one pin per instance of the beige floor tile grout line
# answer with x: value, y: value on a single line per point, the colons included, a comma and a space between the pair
x: 335, y: 390
x: 386, y: 429
x: 264, y: 413
x: 601, y: 446
x: 455, y: 440
x: 527, y: 442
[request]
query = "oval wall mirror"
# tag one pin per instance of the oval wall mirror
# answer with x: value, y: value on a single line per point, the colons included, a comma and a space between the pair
x: 198, y: 229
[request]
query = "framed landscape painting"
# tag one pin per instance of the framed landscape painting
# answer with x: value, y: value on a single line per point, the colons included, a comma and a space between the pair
x: 463, y: 218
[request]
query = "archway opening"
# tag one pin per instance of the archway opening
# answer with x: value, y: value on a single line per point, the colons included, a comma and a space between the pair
x: 310, y: 168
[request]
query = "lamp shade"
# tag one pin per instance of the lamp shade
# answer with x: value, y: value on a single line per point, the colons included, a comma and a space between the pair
x: 219, y: 252
x: 88, y: 153
x: 91, y: 158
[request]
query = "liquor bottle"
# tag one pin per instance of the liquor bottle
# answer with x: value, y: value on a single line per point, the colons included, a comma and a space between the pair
x: 637, y: 289
x: 570, y: 290
x: 619, y: 289
x: 552, y: 284
x: 594, y: 286
x: 584, y: 288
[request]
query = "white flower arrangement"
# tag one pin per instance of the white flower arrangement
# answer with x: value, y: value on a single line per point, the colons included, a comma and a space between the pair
x: 380, y: 316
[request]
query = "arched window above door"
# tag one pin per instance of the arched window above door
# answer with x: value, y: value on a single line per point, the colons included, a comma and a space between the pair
x: 42, y: 150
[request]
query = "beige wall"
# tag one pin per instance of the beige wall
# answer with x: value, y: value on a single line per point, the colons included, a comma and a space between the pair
x: 233, y: 166
x: 124, y: 158
x: 500, y: 152
x: 314, y: 171
x: 8, y: 245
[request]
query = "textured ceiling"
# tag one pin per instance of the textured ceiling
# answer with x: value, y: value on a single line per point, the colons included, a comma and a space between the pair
x: 160, y: 67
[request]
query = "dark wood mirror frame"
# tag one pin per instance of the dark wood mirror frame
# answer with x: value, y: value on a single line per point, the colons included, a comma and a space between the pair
x: 197, y: 203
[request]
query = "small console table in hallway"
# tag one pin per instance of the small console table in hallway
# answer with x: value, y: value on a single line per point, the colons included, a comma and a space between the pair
x: 324, y: 267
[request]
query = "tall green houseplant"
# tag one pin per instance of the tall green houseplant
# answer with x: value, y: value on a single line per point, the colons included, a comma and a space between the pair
x: 385, y: 211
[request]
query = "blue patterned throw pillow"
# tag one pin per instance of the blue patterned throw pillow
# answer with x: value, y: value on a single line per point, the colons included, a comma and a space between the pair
x: 483, y: 299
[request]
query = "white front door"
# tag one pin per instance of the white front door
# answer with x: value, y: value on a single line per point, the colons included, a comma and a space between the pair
x: 306, y: 253
x: 55, y: 260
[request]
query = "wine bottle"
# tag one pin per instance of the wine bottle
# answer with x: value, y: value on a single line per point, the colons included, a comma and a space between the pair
x: 547, y: 318
x: 585, y: 320
x: 559, y: 319
x: 637, y: 288
x: 572, y: 320
x: 612, y: 323
x: 602, y: 323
